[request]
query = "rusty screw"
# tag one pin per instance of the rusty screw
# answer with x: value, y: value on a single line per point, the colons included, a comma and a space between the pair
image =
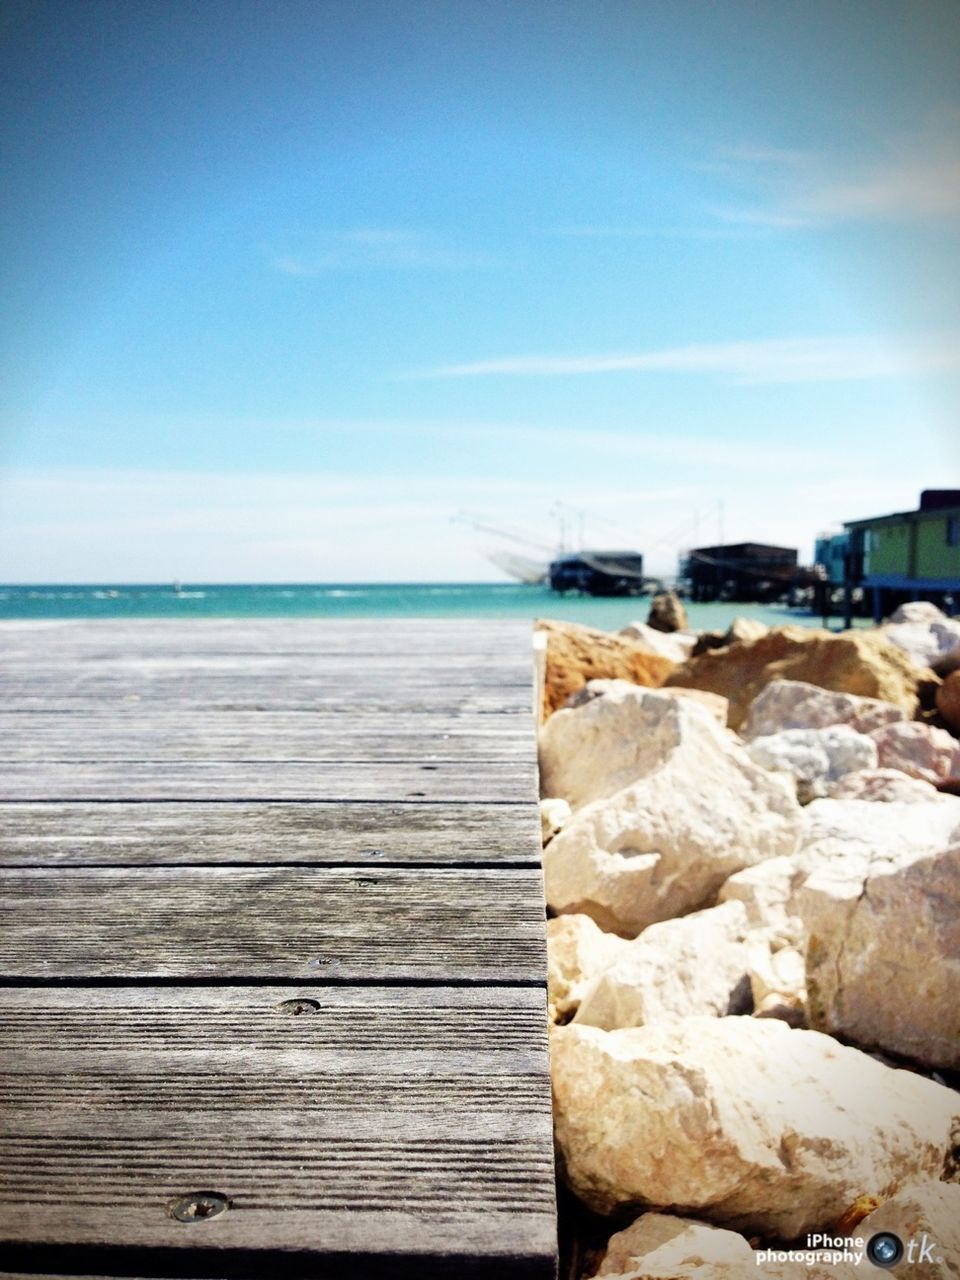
x: 298, y: 1006
x: 199, y: 1206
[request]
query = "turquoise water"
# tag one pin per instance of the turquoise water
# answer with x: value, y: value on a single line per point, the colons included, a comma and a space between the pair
x: 359, y: 600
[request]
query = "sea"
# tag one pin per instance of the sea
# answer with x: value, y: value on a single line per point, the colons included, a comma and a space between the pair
x: 360, y: 600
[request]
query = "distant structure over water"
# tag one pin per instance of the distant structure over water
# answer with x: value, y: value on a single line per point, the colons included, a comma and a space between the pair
x: 600, y: 573
x: 747, y: 571
x: 883, y: 561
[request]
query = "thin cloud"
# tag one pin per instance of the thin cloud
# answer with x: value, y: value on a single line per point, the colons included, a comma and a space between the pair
x: 789, y: 360
x: 648, y: 233
x: 361, y: 248
x: 916, y: 177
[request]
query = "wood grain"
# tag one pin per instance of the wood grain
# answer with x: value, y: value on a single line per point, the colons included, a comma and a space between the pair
x: 288, y: 922
x: 127, y: 734
x: 268, y: 780
x: 407, y: 1123
x: 366, y: 834
x: 272, y: 811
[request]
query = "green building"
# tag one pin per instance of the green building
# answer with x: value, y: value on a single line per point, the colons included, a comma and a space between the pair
x: 910, y: 555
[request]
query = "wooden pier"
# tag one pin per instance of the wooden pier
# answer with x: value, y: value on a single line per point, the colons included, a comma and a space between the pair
x: 272, y: 958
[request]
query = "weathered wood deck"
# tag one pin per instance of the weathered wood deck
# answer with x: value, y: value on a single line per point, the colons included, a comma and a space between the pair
x: 272, y: 935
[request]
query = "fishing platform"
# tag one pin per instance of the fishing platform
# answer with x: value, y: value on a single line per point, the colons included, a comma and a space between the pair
x: 272, y: 959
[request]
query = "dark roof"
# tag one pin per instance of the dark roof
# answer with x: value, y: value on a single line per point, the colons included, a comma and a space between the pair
x: 745, y: 549
x: 904, y: 517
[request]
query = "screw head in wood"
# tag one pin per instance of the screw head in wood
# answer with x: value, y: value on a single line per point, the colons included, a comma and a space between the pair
x: 298, y: 1006
x: 199, y: 1206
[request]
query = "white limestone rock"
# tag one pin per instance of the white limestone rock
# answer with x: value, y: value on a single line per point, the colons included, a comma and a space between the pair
x: 675, y: 645
x: 658, y: 1244
x: 697, y: 964
x: 929, y: 1214
x: 922, y: 611
x: 612, y: 734
x: 778, y: 978
x: 815, y: 758
x: 553, y: 814
x: 924, y: 633
x: 845, y: 838
x: 741, y: 1121
x: 576, y: 951
x: 766, y: 890
x: 715, y: 703
x: 883, y: 957
x: 794, y: 704
x: 884, y: 786
x: 681, y: 808
x: 918, y: 750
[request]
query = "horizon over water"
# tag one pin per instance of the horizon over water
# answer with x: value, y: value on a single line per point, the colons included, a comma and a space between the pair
x: 357, y: 600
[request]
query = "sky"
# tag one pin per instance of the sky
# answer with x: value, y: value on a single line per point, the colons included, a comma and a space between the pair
x: 297, y: 291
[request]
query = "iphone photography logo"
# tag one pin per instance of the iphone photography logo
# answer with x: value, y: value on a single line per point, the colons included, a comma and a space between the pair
x: 884, y: 1249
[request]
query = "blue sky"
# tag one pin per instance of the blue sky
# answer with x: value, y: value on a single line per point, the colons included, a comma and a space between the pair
x: 289, y: 286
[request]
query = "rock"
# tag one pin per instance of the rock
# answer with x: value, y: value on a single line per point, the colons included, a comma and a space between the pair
x: 778, y: 982
x: 883, y: 785
x: 675, y: 645
x: 553, y: 814
x: 918, y: 750
x: 741, y: 1121
x: 815, y: 758
x: 883, y: 960
x: 658, y: 1244
x: 857, y: 662
x: 681, y: 808
x: 697, y: 964
x: 576, y: 654
x: 948, y: 701
x: 924, y: 633
x: 740, y: 631
x: 576, y: 950
x: 766, y: 890
x: 919, y: 611
x: 846, y: 837
x: 794, y: 704
x: 717, y: 706
x: 667, y: 613
x: 928, y: 1213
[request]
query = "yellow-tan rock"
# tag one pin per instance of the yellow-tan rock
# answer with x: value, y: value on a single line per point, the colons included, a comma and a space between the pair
x: 857, y: 662
x: 576, y: 654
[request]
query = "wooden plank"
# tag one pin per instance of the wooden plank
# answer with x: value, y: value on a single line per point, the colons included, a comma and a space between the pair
x: 400, y: 638
x: 339, y: 702
x: 406, y: 1131
x: 399, y: 1125
x: 460, y: 780
x: 124, y: 733
x: 367, y: 923
x: 124, y: 833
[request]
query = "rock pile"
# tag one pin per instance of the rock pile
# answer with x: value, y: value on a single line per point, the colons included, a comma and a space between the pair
x: 749, y: 935
x: 666, y: 807
x: 864, y: 663
x: 576, y: 654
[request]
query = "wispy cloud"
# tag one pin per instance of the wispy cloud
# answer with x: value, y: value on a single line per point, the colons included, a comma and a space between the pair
x: 647, y: 233
x: 768, y: 361
x: 384, y: 247
x: 913, y: 177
